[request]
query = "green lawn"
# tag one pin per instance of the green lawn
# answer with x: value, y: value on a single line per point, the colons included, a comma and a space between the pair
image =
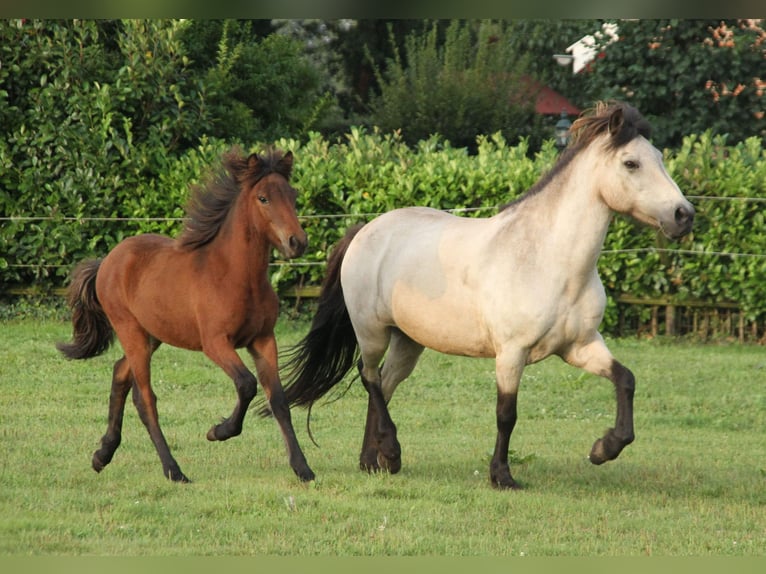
x: 693, y: 482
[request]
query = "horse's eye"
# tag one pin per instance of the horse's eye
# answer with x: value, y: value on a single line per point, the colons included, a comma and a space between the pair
x: 630, y: 164
x: 263, y: 199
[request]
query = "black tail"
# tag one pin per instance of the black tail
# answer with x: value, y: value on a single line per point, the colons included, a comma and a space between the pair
x: 326, y: 354
x: 93, y: 333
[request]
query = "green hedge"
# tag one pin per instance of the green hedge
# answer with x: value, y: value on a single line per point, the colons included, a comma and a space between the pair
x: 347, y: 181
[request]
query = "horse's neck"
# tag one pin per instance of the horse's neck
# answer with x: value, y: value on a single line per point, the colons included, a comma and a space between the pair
x: 567, y: 217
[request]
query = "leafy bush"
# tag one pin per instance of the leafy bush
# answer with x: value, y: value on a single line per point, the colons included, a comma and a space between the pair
x: 466, y: 86
x: 106, y: 121
x: 257, y: 89
x: 368, y: 173
x: 90, y: 110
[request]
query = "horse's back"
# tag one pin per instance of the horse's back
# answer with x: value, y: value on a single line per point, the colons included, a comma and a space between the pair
x: 132, y: 258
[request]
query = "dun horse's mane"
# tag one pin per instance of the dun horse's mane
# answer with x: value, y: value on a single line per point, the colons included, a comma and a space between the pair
x: 621, y: 121
x: 210, y: 203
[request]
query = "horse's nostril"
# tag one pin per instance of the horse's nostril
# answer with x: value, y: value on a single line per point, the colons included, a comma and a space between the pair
x: 684, y: 215
x: 297, y: 244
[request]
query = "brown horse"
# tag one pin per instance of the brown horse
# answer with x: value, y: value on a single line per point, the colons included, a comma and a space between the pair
x: 208, y: 290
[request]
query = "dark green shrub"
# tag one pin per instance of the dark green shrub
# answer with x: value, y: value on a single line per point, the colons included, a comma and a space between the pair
x: 461, y: 88
x: 91, y: 111
x: 256, y: 88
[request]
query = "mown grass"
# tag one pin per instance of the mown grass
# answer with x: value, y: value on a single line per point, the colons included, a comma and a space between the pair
x: 693, y: 483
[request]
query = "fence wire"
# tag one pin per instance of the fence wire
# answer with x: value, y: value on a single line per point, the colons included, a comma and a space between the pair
x: 372, y: 215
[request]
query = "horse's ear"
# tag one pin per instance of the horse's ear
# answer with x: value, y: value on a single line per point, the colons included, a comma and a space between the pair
x: 254, y: 162
x: 285, y: 165
x: 616, y: 119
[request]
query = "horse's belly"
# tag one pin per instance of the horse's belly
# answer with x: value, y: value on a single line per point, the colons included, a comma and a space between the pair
x: 445, y: 324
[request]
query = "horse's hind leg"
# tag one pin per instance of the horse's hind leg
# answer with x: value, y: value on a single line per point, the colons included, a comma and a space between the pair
x: 122, y: 379
x: 596, y: 358
x: 138, y: 347
x: 380, y: 447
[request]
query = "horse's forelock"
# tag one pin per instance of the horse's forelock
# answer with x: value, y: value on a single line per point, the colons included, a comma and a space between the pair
x: 621, y: 121
x: 249, y: 170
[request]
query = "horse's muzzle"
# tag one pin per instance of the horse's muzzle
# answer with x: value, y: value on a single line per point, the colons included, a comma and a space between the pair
x: 295, y: 246
x: 683, y: 219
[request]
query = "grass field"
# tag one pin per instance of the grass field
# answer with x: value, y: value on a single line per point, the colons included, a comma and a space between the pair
x: 693, y: 483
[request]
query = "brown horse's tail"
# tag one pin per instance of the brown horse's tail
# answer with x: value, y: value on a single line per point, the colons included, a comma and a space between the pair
x: 326, y: 354
x: 93, y: 333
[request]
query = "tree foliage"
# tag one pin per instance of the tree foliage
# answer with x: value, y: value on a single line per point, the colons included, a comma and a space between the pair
x: 94, y: 113
x: 687, y: 76
x: 257, y: 87
x: 461, y: 87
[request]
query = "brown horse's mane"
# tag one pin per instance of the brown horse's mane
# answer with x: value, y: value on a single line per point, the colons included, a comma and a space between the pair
x: 591, y: 124
x: 210, y: 203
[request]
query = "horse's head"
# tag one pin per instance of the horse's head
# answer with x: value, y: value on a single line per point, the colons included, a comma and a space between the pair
x: 632, y: 176
x: 271, y: 202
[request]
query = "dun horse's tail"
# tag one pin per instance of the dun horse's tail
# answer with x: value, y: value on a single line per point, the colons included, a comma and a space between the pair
x: 93, y: 333
x: 327, y: 353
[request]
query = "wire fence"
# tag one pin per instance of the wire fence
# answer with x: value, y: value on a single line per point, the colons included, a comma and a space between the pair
x: 369, y: 216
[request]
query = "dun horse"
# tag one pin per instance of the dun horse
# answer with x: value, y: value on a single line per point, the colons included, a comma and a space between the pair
x: 208, y: 290
x: 519, y: 286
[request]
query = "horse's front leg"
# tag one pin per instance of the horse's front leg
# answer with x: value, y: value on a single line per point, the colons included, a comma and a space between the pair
x: 615, y: 439
x: 223, y: 354
x: 508, y: 367
x: 596, y: 358
x: 264, y: 353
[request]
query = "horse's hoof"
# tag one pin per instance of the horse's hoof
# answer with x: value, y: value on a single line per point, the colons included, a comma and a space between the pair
x: 176, y: 475
x: 368, y: 461
x: 391, y: 465
x: 96, y: 463
x: 306, y: 475
x: 507, y: 485
x: 100, y: 460
x: 597, y: 455
x: 211, y: 434
x: 505, y: 482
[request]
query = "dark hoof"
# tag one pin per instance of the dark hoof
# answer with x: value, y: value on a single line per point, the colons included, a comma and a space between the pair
x: 391, y: 465
x: 500, y: 478
x: 368, y: 461
x: 97, y: 463
x: 101, y: 459
x: 306, y: 475
x: 609, y: 447
x: 597, y: 455
x: 506, y: 484
x: 222, y: 431
x: 177, y: 476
